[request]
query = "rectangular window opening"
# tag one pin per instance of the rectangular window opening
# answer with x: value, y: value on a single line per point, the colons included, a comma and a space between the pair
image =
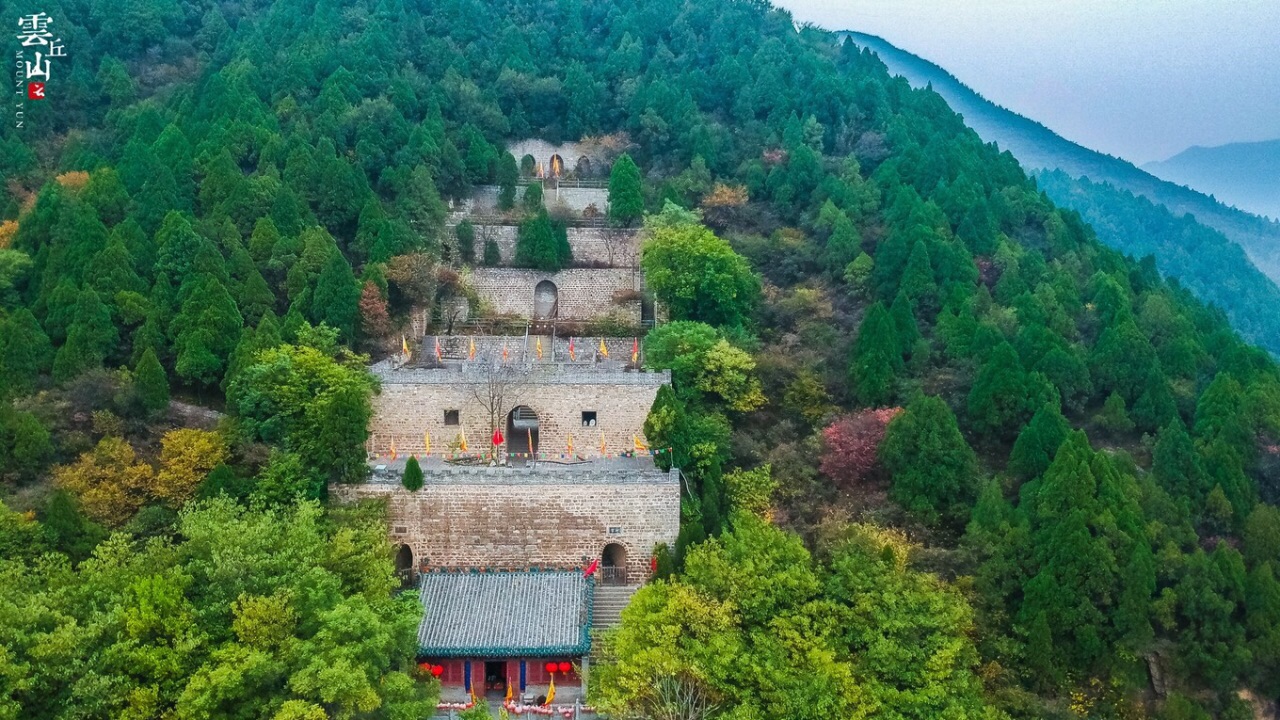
x: 588, y: 418
x: 451, y: 417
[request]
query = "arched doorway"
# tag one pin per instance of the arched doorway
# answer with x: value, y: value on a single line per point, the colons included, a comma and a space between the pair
x: 613, y: 564
x: 404, y: 564
x: 546, y: 300
x: 557, y: 166
x: 583, y: 168
x: 522, y: 432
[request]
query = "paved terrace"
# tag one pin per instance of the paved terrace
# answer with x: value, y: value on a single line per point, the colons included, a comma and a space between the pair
x: 608, y: 471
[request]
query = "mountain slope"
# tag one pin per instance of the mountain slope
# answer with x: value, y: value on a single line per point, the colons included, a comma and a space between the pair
x: 1246, y: 175
x: 1037, y: 147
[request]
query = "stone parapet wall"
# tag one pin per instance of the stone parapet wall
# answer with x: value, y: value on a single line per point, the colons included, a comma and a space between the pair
x: 555, y: 198
x: 583, y: 293
x: 407, y: 413
x: 530, y: 370
x: 618, y: 248
x: 506, y: 524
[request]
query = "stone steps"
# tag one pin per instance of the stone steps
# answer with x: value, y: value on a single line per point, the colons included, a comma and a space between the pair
x: 609, y: 603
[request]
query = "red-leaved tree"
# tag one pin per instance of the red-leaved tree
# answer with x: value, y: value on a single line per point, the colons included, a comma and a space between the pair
x: 375, y: 323
x: 851, y: 445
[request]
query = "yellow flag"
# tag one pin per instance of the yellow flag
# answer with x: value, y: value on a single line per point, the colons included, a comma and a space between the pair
x: 404, y: 346
x: 603, y: 449
x: 531, y: 449
x: 539, y: 348
x: 471, y: 352
x: 426, y: 443
x: 570, y: 444
x: 508, y: 689
x: 462, y: 440
x: 604, y: 351
x: 551, y: 691
x: 393, y: 449
x: 640, y: 446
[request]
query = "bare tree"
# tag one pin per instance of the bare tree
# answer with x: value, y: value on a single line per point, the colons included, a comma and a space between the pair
x: 499, y: 389
x: 676, y: 697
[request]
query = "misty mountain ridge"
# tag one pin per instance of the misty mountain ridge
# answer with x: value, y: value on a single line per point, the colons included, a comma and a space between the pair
x: 1243, y: 174
x: 1038, y: 148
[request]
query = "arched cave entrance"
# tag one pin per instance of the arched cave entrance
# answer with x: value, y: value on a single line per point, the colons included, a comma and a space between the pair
x: 557, y: 166
x: 404, y: 564
x: 613, y: 564
x: 522, y: 432
x: 583, y: 168
x: 546, y: 300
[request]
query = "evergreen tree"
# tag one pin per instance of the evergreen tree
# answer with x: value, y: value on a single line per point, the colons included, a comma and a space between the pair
x: 508, y: 174
x: 1177, y: 466
x: 466, y: 234
x: 1004, y: 396
x: 263, y: 241
x: 205, y: 332
x: 413, y: 479
x: 626, y: 191
x: 1114, y: 418
x: 933, y: 469
x: 917, y: 281
x: 844, y: 245
x: 25, y: 351
x: 1038, y: 443
x: 151, y: 382
x: 336, y: 301
x: 1155, y: 408
x: 532, y: 200
x: 1221, y: 414
x: 492, y: 254
x: 904, y: 322
x: 90, y: 339
x: 876, y: 358
x: 541, y: 245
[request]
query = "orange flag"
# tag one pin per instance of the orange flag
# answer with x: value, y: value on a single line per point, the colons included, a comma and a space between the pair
x: 604, y: 450
x: 439, y: 352
x: 471, y: 353
x: 504, y: 351
x: 640, y: 446
x: 635, y: 349
x: 572, y: 355
x: 539, y: 348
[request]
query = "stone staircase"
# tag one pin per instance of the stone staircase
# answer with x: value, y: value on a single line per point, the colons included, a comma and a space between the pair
x: 609, y: 602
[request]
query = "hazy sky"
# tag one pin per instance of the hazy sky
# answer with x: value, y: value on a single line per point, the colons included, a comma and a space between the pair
x: 1142, y: 79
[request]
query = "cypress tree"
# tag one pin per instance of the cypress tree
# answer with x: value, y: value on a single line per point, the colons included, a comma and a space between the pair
x: 532, y: 199
x: 492, y: 254
x: 843, y: 246
x: 904, y: 322
x: 626, y: 191
x: 413, y: 478
x: 933, y: 469
x: 1155, y: 407
x: 466, y: 234
x: 90, y: 339
x: 1114, y: 418
x: 205, y: 332
x: 336, y: 301
x: 1038, y: 443
x: 876, y: 357
x: 25, y: 351
x: 1004, y: 396
x: 542, y: 245
x: 508, y: 174
x: 917, y: 281
x: 151, y: 382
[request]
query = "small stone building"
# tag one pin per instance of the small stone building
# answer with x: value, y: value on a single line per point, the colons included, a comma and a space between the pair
x: 490, y: 630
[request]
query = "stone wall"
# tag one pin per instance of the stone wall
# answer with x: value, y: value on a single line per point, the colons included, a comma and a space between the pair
x: 582, y: 293
x: 591, y: 246
x: 556, y: 199
x: 412, y: 407
x: 511, y: 518
x: 570, y: 153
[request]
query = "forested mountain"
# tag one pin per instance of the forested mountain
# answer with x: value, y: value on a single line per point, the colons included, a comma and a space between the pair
x: 947, y: 455
x: 1202, y: 259
x: 1037, y: 147
x: 1246, y: 175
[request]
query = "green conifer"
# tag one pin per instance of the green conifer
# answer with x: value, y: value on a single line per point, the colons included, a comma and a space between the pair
x: 413, y: 478
x: 151, y: 382
x: 626, y: 191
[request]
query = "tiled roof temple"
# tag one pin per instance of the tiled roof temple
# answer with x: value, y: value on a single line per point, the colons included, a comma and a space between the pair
x: 484, y: 613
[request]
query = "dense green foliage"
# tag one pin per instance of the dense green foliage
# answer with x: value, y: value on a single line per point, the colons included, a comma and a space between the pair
x: 861, y: 248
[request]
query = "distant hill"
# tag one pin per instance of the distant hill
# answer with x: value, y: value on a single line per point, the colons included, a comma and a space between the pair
x: 1037, y: 147
x: 1246, y: 175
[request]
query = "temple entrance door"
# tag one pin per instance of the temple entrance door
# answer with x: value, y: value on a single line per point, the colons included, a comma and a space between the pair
x: 522, y: 432
x: 495, y: 676
x: 404, y: 564
x: 613, y: 565
x: 546, y: 300
x: 557, y: 166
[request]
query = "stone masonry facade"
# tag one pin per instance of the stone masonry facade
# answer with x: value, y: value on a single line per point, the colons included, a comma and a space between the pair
x: 512, y: 518
x: 582, y: 293
x: 413, y: 406
x: 597, y: 247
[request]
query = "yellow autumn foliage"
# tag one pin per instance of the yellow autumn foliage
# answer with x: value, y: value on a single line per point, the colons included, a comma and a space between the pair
x: 74, y: 180
x: 110, y: 485
x: 8, y: 229
x: 186, y: 457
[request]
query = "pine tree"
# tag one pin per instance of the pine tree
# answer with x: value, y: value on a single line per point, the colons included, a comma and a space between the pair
x: 1038, y: 443
x: 1177, y: 466
x: 25, y: 351
x: 336, y: 301
x: 492, y: 254
x: 205, y: 332
x: 112, y: 271
x: 532, y: 200
x: 917, y: 281
x: 626, y: 191
x: 1004, y: 396
x: 844, y: 245
x: 508, y: 174
x: 541, y: 245
x: 413, y: 478
x: 151, y: 382
x: 466, y: 235
x: 1221, y: 414
x: 1114, y: 418
x: 90, y: 339
x: 876, y: 358
x: 263, y: 240
x: 933, y: 469
x: 1155, y: 408
x: 904, y: 322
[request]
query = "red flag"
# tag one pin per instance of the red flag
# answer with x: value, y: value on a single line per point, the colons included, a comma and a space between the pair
x: 572, y: 356
x: 497, y: 436
x: 635, y: 349
x: 591, y: 569
x: 439, y: 353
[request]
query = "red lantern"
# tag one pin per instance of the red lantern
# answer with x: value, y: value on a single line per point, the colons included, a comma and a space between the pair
x: 551, y: 667
x: 565, y: 667
x: 437, y: 670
